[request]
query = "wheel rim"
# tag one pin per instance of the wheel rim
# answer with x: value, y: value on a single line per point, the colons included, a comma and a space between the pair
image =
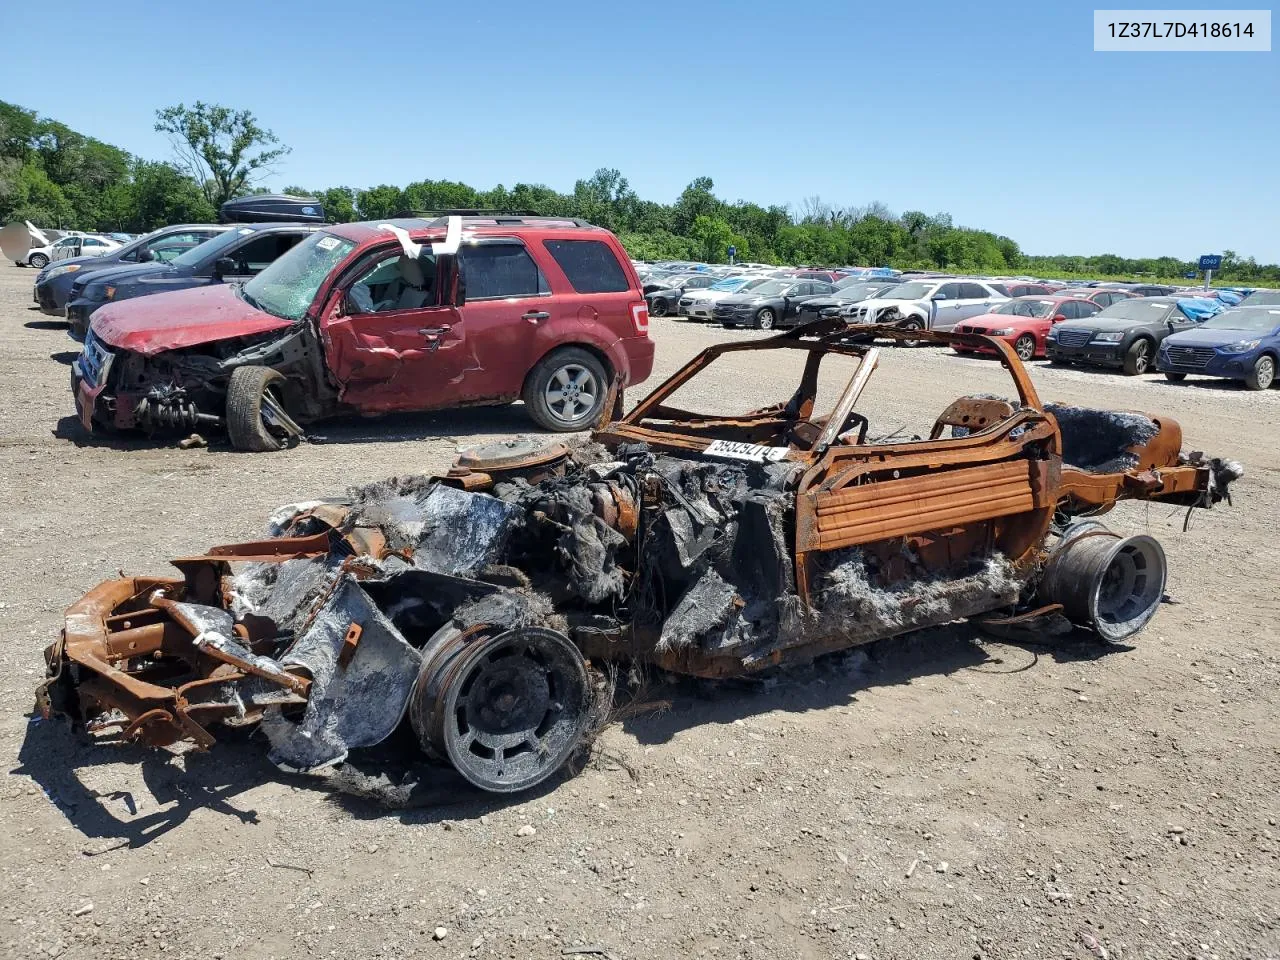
x: 1140, y: 357
x: 572, y: 393
x: 659, y: 308
x: 911, y: 326
x: 39, y: 260
x: 1025, y: 348
x: 275, y: 419
x: 1266, y: 372
x: 1130, y: 588
x: 766, y: 319
x: 508, y: 707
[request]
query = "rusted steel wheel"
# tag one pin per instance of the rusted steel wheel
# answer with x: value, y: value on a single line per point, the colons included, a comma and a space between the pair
x: 506, y: 707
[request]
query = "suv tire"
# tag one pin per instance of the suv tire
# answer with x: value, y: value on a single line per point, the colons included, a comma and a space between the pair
x: 558, y: 387
x: 245, y: 426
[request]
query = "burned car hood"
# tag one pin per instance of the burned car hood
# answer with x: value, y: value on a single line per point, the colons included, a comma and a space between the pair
x: 181, y: 318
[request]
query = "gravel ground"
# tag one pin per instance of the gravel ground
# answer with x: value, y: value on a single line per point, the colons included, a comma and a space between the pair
x: 939, y: 796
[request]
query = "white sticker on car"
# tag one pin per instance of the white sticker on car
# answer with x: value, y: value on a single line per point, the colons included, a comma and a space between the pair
x: 733, y: 450
x: 327, y: 243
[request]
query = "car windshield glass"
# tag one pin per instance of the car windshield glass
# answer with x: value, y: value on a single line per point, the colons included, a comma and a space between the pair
x: 770, y: 288
x: 1263, y: 297
x: 1026, y: 308
x: 859, y: 291
x: 287, y: 287
x: 214, y: 246
x: 1133, y: 309
x: 729, y: 283
x: 1253, y: 319
x: 915, y: 290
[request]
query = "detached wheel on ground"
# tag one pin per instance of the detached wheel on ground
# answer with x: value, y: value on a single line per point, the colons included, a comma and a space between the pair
x: 765, y: 319
x: 256, y: 417
x: 566, y: 390
x: 39, y: 261
x: 1137, y: 359
x: 1174, y: 377
x: 1263, y: 374
x: 1025, y: 347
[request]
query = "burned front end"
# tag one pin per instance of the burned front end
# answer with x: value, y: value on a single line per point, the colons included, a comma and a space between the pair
x: 478, y: 608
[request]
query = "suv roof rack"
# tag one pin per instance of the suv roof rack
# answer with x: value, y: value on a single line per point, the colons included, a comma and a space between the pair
x: 502, y: 217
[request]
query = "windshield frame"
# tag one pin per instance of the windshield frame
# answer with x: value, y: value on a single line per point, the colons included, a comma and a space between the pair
x: 1130, y: 302
x: 257, y: 289
x: 781, y: 284
x: 1010, y: 307
x: 927, y: 286
x: 199, y: 254
x: 1262, y: 313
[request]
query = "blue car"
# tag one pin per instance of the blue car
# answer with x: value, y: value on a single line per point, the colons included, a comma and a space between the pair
x: 1242, y: 343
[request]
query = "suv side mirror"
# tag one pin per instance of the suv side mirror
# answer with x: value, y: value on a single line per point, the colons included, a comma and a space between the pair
x: 146, y: 255
x: 224, y: 266
x: 939, y: 296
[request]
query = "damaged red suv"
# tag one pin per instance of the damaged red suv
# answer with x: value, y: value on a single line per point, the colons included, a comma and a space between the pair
x: 369, y: 318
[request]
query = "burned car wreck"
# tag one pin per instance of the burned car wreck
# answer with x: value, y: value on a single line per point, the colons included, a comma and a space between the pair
x: 478, y: 607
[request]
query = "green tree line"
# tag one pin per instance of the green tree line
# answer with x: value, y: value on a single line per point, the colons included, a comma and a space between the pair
x: 54, y: 176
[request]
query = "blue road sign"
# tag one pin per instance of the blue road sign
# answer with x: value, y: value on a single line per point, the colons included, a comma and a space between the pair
x: 1210, y: 261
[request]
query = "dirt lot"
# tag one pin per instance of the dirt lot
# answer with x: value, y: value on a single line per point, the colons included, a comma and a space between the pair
x: 944, y: 796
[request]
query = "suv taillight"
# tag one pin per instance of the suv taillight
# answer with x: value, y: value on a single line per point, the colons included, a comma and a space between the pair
x: 640, y: 317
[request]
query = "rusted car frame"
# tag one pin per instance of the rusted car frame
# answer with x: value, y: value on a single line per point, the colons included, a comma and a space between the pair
x: 474, y: 604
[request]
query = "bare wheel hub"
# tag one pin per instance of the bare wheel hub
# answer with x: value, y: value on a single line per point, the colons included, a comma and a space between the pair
x: 505, y: 707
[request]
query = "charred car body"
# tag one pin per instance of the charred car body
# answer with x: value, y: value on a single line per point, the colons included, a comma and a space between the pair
x: 478, y: 604
x: 372, y: 318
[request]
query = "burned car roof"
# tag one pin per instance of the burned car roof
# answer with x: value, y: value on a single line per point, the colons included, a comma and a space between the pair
x: 480, y: 607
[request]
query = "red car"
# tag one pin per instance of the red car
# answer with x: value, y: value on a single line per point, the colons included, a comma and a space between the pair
x: 369, y: 318
x: 1024, y: 322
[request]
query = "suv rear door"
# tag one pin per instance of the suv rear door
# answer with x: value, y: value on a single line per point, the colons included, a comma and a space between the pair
x: 605, y: 292
x: 509, y: 317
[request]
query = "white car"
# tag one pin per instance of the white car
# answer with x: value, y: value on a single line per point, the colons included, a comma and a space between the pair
x: 699, y: 304
x: 87, y: 245
x: 937, y: 304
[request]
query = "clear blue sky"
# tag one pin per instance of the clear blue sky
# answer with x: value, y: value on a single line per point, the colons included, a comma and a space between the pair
x: 1000, y: 114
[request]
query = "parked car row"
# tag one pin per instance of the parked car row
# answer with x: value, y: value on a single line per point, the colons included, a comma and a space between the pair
x: 1178, y: 336
x: 261, y: 327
